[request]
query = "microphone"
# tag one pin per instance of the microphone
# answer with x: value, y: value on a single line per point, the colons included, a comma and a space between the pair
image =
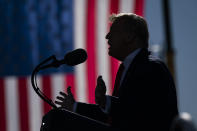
x: 75, y: 57
x: 72, y: 58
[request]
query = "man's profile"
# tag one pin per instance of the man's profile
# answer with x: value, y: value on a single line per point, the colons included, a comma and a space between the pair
x: 144, y: 96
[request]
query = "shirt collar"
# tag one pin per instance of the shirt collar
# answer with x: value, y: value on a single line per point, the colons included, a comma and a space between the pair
x: 127, y: 61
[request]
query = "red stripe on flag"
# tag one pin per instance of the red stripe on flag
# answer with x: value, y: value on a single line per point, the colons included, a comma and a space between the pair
x: 2, y: 106
x: 139, y: 7
x: 71, y: 82
x: 46, y: 86
x: 23, y: 104
x: 114, y: 7
x: 91, y: 44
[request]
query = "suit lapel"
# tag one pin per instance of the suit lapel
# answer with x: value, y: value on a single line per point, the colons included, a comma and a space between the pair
x: 141, y: 56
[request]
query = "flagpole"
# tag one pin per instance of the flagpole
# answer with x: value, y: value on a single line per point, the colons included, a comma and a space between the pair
x: 168, y: 37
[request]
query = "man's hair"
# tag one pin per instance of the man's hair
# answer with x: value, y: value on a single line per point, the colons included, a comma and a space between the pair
x: 135, y: 25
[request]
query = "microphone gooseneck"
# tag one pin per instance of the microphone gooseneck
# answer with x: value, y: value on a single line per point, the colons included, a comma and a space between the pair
x: 72, y: 58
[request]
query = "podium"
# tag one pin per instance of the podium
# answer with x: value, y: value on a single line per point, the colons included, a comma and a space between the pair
x: 63, y: 120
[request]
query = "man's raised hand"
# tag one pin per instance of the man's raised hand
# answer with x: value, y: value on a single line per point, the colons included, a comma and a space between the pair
x: 66, y: 100
x: 100, y: 92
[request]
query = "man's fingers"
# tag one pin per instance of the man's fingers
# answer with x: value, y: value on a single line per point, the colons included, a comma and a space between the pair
x: 66, y: 100
x: 100, y: 84
x: 63, y: 94
x: 100, y: 81
x: 59, y: 103
x: 69, y: 91
x: 70, y: 94
x: 60, y: 98
x: 99, y: 77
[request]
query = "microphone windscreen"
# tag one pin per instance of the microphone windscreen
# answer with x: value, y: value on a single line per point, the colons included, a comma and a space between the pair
x: 75, y: 57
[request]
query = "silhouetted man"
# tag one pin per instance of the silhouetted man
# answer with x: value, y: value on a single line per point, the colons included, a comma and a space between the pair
x: 144, y: 96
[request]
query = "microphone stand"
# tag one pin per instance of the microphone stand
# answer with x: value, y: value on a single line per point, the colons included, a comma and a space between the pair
x: 34, y: 83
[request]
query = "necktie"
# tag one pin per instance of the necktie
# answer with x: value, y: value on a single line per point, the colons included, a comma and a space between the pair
x: 117, y: 81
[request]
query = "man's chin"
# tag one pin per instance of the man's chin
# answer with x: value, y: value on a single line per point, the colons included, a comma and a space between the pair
x: 111, y: 54
x: 114, y: 56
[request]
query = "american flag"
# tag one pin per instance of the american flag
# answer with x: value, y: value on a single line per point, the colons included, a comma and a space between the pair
x: 31, y: 31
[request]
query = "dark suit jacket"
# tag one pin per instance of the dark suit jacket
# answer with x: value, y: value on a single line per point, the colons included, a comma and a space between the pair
x: 147, y: 97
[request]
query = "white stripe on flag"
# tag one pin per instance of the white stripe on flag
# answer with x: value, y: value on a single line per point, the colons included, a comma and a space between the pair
x: 126, y: 6
x: 35, y: 108
x: 12, y: 104
x: 79, y: 42
x: 102, y: 46
x: 58, y: 84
